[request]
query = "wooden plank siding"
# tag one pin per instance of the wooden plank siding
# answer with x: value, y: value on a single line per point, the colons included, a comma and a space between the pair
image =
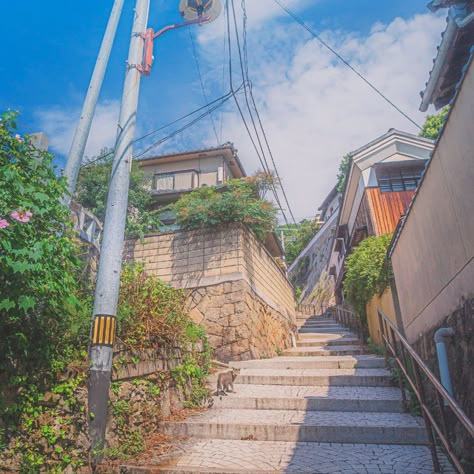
x: 386, y: 208
x: 364, y: 217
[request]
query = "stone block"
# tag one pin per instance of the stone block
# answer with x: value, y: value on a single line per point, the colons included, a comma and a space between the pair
x: 228, y: 309
x: 217, y: 290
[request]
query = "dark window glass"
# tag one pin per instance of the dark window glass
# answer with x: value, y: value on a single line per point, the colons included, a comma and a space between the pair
x: 401, y: 179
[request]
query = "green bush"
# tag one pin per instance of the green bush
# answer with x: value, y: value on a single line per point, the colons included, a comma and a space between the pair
x: 239, y: 200
x: 433, y: 124
x: 367, y: 272
x: 93, y: 186
x: 39, y: 270
x: 298, y: 238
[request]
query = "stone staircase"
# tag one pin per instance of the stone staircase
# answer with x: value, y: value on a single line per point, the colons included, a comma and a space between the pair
x: 325, y: 406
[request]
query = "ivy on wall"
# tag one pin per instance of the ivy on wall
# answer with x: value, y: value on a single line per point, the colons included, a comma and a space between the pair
x: 368, y: 272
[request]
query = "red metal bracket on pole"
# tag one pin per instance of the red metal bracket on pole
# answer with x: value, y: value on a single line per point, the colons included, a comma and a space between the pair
x: 149, y: 36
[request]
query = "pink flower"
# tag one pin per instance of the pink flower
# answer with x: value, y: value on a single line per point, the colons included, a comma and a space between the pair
x: 21, y: 216
x: 18, y: 138
x: 3, y: 223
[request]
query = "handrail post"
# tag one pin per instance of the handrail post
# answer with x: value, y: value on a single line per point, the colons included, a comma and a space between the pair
x: 384, y: 340
x: 429, y: 429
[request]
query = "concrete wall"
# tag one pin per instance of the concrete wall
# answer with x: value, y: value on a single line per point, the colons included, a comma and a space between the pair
x: 385, y: 303
x: 314, y: 259
x: 236, y: 289
x: 433, y: 260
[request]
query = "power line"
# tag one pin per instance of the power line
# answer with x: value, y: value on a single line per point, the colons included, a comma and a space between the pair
x: 326, y: 45
x: 194, y: 121
x: 202, y: 83
x: 264, y: 164
x: 258, y: 115
x: 244, y: 68
x: 152, y: 132
x: 223, y: 80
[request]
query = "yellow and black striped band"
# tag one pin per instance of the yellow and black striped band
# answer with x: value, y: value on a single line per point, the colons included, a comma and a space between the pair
x: 103, y: 332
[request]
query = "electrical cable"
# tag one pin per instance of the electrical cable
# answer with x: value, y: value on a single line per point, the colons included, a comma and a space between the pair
x: 257, y: 113
x: 223, y: 82
x: 244, y: 69
x: 262, y: 162
x: 347, y: 63
x: 164, y: 126
x: 190, y: 124
x: 202, y: 83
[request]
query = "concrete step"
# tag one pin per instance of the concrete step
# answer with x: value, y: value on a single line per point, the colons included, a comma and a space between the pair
x: 317, y: 328
x: 368, y: 361
x: 312, y: 398
x: 325, y: 330
x: 321, y: 323
x: 312, y: 426
x: 345, y: 341
x: 216, y: 456
x: 329, y: 335
x: 333, y: 350
x: 324, y: 377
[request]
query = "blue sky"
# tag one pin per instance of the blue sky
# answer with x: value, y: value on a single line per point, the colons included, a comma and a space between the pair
x: 49, y: 52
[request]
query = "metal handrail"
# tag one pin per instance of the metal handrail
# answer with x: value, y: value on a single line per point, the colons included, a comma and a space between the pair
x: 399, y: 349
x: 310, y: 309
x: 351, y: 320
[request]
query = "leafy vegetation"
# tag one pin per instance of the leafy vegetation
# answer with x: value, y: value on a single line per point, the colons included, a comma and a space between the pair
x: 344, y: 169
x: 240, y: 200
x: 92, y: 190
x: 297, y: 237
x: 40, y: 286
x: 45, y: 315
x: 433, y: 124
x: 367, y: 272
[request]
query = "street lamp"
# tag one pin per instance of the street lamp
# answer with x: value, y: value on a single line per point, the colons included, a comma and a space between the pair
x: 192, y: 9
x: 140, y: 59
x: 195, y: 12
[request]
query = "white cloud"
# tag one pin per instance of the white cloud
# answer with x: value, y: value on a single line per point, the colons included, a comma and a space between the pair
x: 315, y: 109
x: 60, y: 124
x: 259, y: 13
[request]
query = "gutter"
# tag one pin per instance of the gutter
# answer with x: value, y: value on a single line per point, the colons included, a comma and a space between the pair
x: 455, y: 14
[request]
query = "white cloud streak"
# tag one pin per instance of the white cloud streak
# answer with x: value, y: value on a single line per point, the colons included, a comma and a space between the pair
x: 60, y: 124
x: 315, y: 109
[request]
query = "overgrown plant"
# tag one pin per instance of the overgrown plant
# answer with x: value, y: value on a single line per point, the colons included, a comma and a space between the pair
x: 44, y: 313
x: 297, y: 237
x: 344, y: 169
x: 93, y: 186
x: 39, y: 270
x: 433, y: 124
x: 239, y: 200
x: 367, y: 272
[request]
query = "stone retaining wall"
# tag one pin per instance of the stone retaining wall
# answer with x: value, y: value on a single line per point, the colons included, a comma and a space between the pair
x: 236, y: 289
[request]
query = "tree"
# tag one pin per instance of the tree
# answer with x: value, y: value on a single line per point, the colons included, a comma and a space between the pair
x: 367, y: 272
x: 344, y: 169
x: 433, y: 124
x: 299, y: 236
x: 93, y: 187
x: 39, y: 270
x: 239, y: 200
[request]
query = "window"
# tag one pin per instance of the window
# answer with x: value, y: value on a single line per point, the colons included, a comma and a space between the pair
x: 399, y: 179
x: 164, y: 182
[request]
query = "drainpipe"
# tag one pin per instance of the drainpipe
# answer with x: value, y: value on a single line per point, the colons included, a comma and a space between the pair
x: 440, y: 340
x: 462, y: 22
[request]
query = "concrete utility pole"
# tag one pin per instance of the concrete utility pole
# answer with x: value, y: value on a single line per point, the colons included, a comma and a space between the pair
x: 108, y: 279
x: 79, y: 142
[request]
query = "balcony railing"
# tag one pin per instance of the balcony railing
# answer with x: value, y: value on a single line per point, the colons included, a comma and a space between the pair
x: 184, y: 180
x: 418, y: 377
